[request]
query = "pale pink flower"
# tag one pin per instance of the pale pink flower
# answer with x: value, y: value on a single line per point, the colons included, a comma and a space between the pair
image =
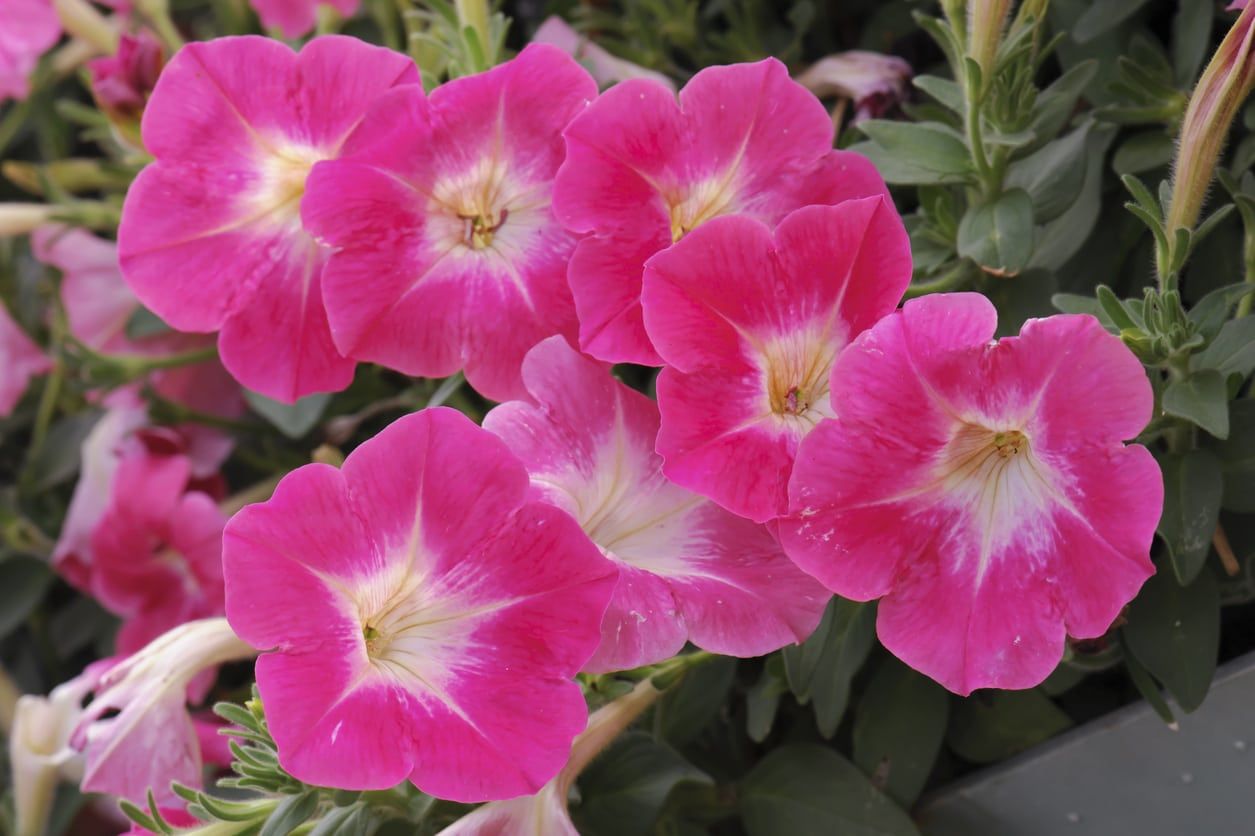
x: 425, y: 617
x: 211, y: 237
x: 750, y: 324
x: 20, y: 360
x: 643, y: 170
x: 606, y: 69
x: 294, y: 18
x: 982, y: 489
x: 28, y: 29
x: 447, y: 253
x: 874, y: 82
x: 688, y: 569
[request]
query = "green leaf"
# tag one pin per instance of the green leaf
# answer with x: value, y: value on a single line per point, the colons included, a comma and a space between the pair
x: 1232, y: 351
x: 762, y: 700
x: 1053, y: 175
x: 820, y: 670
x: 1057, y: 102
x: 23, y: 582
x: 995, y: 725
x: 999, y: 236
x: 1076, y: 303
x: 1237, y: 457
x: 292, y: 811
x: 1145, y: 684
x: 1061, y: 238
x: 59, y: 457
x: 1175, y: 633
x: 1211, y: 312
x: 916, y: 153
x: 1191, y: 32
x: 1192, y: 488
x: 899, y: 725
x: 293, y: 420
x: 144, y: 323
x: 943, y: 90
x: 1201, y: 398
x: 1102, y: 16
x: 623, y: 791
x: 691, y: 706
x: 1142, y: 152
x: 809, y: 790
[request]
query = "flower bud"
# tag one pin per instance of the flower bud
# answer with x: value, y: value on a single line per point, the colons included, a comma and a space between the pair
x: 985, y: 20
x: 874, y: 82
x: 121, y: 83
x: 1224, y: 85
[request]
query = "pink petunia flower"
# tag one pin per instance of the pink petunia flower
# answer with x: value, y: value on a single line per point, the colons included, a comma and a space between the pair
x: 136, y: 734
x: 440, y: 206
x: 688, y: 570
x: 294, y: 18
x: 750, y: 325
x: 157, y: 548
x: 642, y: 171
x: 426, y: 618
x: 211, y: 238
x: 981, y: 488
x: 121, y: 432
x: 121, y: 83
x: 20, y: 360
x: 28, y: 29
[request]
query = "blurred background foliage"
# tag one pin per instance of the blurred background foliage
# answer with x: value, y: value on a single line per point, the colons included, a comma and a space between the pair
x: 1013, y: 172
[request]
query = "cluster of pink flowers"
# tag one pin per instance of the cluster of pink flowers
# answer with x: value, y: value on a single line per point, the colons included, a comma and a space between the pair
x: 422, y: 610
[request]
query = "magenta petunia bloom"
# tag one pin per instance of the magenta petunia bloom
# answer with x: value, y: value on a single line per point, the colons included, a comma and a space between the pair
x: 157, y: 548
x: 20, y: 360
x: 447, y: 253
x: 211, y: 236
x: 28, y: 29
x: 750, y: 325
x: 688, y: 569
x: 425, y: 618
x: 294, y: 18
x: 642, y: 171
x: 982, y: 488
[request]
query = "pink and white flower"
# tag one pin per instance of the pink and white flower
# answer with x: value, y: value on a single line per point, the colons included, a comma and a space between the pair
x: 607, y: 69
x: 425, y: 618
x: 211, y: 237
x: 642, y: 171
x: 28, y: 29
x: 447, y: 252
x: 20, y: 360
x: 688, y: 569
x: 136, y: 734
x: 982, y: 489
x: 750, y: 325
x: 873, y: 81
x: 157, y: 548
x: 294, y: 18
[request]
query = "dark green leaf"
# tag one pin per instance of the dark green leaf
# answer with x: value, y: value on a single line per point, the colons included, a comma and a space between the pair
x: 899, y: 725
x: 1201, y: 398
x: 942, y: 89
x: 293, y: 420
x: 1062, y: 237
x: 1056, y: 103
x: 1145, y: 684
x: 144, y: 323
x: 995, y: 725
x: 1237, y: 457
x: 1233, y: 349
x: 1175, y: 632
x: 999, y: 236
x: 59, y: 457
x: 820, y: 670
x: 690, y: 706
x: 809, y: 790
x: 1193, y: 487
x: 623, y: 791
x: 1143, y: 152
x: 762, y: 700
x: 1052, y: 175
x: 1191, y: 31
x: 1103, y: 15
x: 23, y: 582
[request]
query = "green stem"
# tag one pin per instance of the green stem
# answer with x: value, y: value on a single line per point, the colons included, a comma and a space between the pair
x: 1248, y: 249
x: 956, y: 276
